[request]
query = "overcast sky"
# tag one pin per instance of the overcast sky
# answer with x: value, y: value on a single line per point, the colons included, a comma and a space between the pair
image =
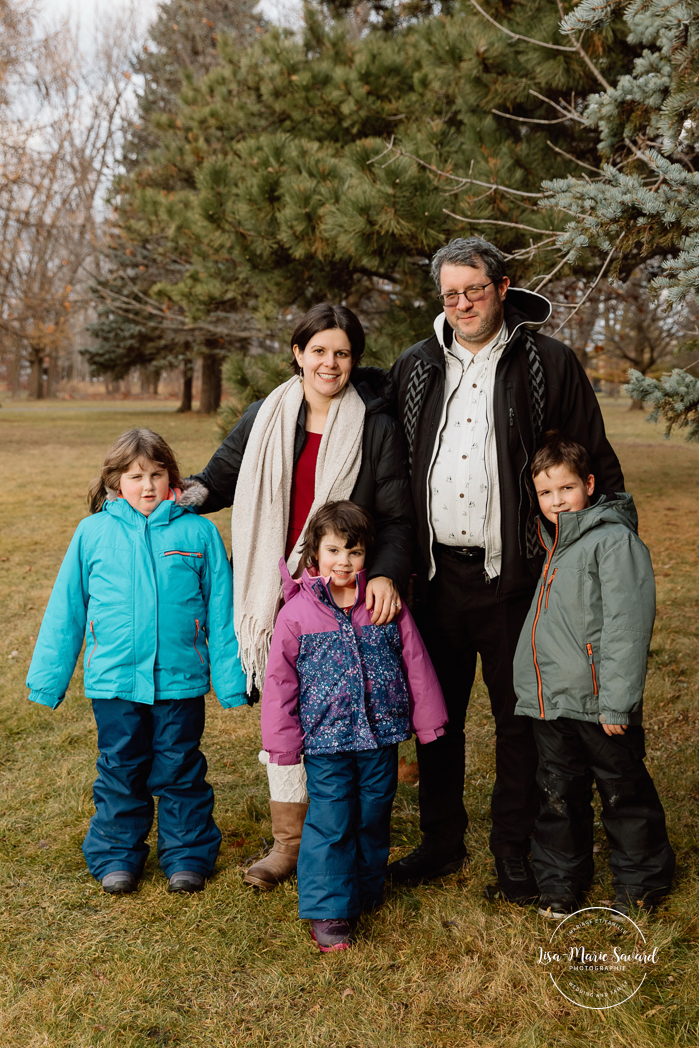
x: 88, y: 11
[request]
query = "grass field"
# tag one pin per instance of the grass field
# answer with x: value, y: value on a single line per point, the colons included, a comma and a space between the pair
x: 437, y: 966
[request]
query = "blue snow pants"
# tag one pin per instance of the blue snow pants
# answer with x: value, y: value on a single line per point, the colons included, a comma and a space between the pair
x: 148, y: 751
x: 344, y: 847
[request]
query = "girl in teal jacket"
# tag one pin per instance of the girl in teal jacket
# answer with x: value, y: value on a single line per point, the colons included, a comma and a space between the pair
x: 147, y: 584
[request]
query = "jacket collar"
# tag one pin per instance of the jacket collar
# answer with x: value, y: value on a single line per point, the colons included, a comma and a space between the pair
x: 321, y: 588
x: 316, y: 587
x: 606, y: 509
x: 168, y: 510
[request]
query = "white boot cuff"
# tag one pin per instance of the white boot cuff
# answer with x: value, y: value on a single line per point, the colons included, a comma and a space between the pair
x: 287, y: 782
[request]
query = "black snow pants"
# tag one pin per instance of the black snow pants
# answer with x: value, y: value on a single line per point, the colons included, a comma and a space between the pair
x: 572, y: 754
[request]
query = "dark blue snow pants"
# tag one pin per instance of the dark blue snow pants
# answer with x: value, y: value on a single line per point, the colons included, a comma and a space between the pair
x: 148, y: 751
x: 344, y: 847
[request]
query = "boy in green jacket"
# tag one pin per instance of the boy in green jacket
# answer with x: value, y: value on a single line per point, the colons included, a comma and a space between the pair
x: 579, y: 672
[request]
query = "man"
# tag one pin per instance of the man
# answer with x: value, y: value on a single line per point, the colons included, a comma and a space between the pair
x: 475, y: 398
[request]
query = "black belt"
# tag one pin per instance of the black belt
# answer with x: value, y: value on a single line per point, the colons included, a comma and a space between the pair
x: 472, y: 553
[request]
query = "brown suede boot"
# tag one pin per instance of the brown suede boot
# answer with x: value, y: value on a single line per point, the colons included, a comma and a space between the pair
x: 287, y: 826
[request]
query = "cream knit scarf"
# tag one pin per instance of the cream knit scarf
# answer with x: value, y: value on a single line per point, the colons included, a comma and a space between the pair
x: 260, y: 518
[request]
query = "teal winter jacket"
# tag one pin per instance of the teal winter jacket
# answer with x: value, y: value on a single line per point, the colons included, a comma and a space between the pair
x: 153, y: 598
x: 583, y: 650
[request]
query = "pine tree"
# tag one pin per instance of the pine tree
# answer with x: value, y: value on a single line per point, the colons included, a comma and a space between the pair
x: 297, y: 198
x: 646, y: 198
x: 181, y: 46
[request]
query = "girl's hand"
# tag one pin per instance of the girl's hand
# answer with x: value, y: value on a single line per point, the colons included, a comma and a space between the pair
x: 615, y: 729
x: 383, y: 597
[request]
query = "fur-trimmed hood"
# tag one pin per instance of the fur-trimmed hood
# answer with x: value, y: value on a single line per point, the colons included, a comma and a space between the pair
x: 193, y: 494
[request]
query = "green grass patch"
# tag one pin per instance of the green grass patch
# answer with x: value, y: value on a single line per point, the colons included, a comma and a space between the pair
x: 437, y: 966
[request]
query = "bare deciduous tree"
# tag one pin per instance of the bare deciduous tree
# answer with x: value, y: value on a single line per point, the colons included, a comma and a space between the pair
x: 60, y: 115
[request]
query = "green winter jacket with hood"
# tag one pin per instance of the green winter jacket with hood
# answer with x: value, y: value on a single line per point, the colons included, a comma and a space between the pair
x: 583, y: 649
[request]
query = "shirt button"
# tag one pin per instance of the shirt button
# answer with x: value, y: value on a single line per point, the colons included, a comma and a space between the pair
x: 461, y: 495
x: 463, y: 456
x: 463, y: 532
x: 468, y: 419
x: 475, y: 386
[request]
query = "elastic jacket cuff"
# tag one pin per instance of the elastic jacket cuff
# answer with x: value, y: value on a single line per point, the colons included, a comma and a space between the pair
x: 615, y: 717
x: 291, y: 757
x: 423, y: 737
x: 44, y: 699
x: 230, y: 702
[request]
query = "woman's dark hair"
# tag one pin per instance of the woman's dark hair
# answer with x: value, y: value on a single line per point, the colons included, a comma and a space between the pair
x: 322, y: 318
x: 346, y: 519
x: 141, y: 444
x: 557, y: 450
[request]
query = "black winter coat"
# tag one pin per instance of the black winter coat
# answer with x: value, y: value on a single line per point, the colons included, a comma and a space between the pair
x: 382, y: 487
x: 571, y: 406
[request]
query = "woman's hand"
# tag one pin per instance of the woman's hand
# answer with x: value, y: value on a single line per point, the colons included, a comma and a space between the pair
x: 383, y: 597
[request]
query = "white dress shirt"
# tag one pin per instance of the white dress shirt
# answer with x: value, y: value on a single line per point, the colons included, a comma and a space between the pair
x: 464, y: 493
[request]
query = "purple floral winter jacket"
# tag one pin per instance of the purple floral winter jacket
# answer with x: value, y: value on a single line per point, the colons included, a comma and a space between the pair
x: 337, y: 684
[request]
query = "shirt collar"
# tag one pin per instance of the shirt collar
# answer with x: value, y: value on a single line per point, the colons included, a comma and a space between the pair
x: 482, y: 355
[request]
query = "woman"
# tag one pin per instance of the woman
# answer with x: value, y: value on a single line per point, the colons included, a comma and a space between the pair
x: 321, y: 436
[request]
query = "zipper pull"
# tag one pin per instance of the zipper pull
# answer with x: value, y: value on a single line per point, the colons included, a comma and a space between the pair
x: 512, y: 417
x: 589, y: 653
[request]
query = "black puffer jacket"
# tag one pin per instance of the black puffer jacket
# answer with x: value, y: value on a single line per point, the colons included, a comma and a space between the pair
x: 382, y: 487
x: 570, y: 406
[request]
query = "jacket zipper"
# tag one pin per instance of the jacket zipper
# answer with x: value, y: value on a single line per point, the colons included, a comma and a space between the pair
x: 92, y: 631
x: 182, y: 553
x: 590, y: 659
x: 194, y: 644
x: 548, y: 589
x: 539, y: 687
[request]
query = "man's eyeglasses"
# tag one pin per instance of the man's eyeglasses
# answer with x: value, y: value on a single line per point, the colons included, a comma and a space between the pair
x: 473, y: 294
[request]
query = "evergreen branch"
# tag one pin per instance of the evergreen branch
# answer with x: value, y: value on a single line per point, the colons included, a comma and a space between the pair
x: 589, y: 290
x: 388, y: 149
x: 569, y: 156
x: 589, y: 63
x: 549, y: 276
x: 532, y: 119
x: 163, y: 320
x: 643, y: 157
x: 458, y: 178
x: 675, y: 397
x: 547, y: 100
x: 518, y: 36
x: 523, y: 252
x: 577, y: 47
x: 587, y: 15
x: 497, y: 222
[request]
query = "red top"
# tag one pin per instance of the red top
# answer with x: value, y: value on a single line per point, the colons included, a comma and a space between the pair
x: 303, y: 486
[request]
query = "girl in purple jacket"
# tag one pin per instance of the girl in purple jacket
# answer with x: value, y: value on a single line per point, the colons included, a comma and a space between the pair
x: 344, y: 693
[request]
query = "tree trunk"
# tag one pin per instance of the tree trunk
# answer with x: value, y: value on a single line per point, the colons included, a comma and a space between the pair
x: 585, y: 327
x: 211, y: 382
x: 187, y: 376
x: 36, y: 374
x: 636, y: 405
x: 52, y: 376
x: 150, y: 377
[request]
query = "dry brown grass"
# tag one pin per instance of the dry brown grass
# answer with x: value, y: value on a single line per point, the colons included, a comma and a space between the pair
x: 438, y: 966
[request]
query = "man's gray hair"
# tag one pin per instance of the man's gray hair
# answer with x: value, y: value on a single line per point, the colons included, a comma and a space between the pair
x: 470, y: 251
